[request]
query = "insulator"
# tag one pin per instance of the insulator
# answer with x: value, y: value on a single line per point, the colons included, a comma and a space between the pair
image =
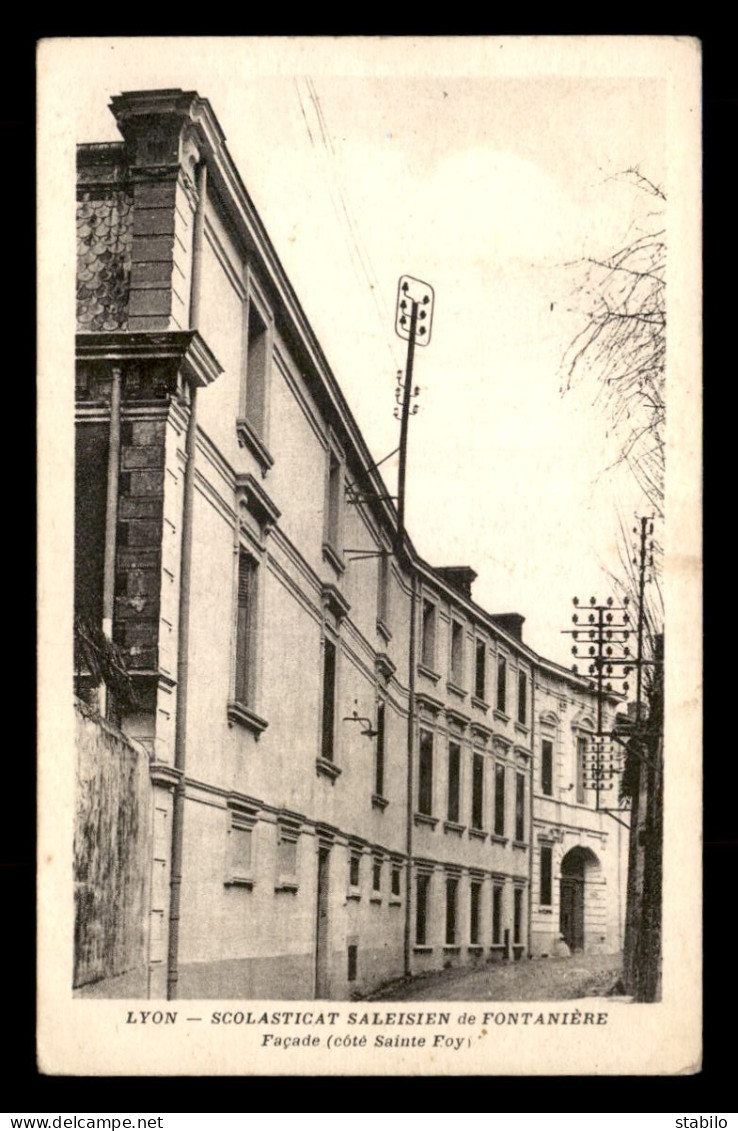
x: 421, y: 330
x: 593, y: 600
x: 421, y: 314
x: 426, y: 299
x: 575, y: 619
x: 608, y: 651
x: 609, y: 686
x: 575, y: 600
x: 608, y: 618
x: 575, y: 635
x: 575, y: 651
x: 405, y: 287
x: 592, y: 635
x: 592, y: 651
x: 591, y: 618
x: 609, y: 600
x: 626, y: 600
x: 575, y: 668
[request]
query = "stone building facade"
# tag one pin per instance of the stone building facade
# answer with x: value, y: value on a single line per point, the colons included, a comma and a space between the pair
x: 344, y: 748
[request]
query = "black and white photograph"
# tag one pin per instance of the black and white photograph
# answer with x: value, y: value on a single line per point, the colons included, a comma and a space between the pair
x: 370, y: 609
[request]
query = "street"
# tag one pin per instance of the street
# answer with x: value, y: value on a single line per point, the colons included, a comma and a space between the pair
x: 542, y: 979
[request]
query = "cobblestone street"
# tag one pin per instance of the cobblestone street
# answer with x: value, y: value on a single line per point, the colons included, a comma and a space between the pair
x: 542, y: 979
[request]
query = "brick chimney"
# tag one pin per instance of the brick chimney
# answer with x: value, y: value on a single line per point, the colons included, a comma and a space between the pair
x: 511, y: 622
x: 459, y: 578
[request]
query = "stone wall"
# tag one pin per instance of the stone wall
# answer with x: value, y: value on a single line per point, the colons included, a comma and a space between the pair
x: 112, y: 853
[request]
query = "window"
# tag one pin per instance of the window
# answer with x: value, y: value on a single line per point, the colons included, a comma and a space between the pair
x: 287, y: 858
x: 422, y: 892
x: 520, y: 807
x: 476, y: 902
x: 457, y: 652
x: 522, y: 697
x: 502, y: 685
x: 354, y: 869
x: 581, y: 767
x: 497, y: 915
x: 428, y: 642
x: 518, y: 917
x: 425, y: 774
x: 477, y: 817
x: 329, y: 699
x: 334, y: 502
x: 454, y: 769
x: 239, y: 868
x: 258, y: 356
x: 499, y: 800
x: 547, y: 767
x: 353, y: 961
x: 480, y: 669
x: 245, y: 629
x: 396, y: 879
x: 377, y: 875
x: 383, y: 590
x: 379, y: 753
x: 546, y: 875
x: 452, y: 899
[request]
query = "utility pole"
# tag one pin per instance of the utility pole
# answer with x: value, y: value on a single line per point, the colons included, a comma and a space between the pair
x: 606, y: 630
x: 413, y: 321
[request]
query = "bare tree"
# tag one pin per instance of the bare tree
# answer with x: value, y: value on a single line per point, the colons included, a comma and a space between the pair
x: 620, y: 354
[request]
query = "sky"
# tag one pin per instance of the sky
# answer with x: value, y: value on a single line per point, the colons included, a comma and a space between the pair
x: 485, y: 168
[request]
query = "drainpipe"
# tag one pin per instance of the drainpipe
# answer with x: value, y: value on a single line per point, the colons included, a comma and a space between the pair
x: 531, y: 846
x: 410, y: 742
x: 111, y: 522
x: 180, y: 739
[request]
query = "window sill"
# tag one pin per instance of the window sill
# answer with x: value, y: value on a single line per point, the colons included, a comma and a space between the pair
x: 379, y: 802
x: 521, y: 845
x: 497, y: 948
x: 477, y: 834
x: 249, y: 438
x: 383, y: 630
x: 287, y: 885
x: 327, y: 769
x: 522, y: 728
x: 480, y: 704
x: 333, y: 558
x: 455, y: 689
x: 375, y: 899
x: 498, y: 838
x: 452, y: 948
x: 421, y: 948
x: 501, y: 715
x: 453, y: 827
x: 354, y: 896
x: 545, y: 909
x: 239, y: 882
x: 245, y: 717
x: 425, y: 819
x: 429, y: 673
x: 395, y: 902
x: 475, y: 948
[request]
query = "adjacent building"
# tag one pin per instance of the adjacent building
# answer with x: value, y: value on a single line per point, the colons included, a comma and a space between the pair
x: 356, y: 772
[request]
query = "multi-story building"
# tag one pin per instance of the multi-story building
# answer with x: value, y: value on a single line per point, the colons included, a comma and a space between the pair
x: 346, y: 753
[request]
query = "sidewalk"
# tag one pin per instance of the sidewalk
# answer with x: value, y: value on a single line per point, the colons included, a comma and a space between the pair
x: 541, y: 979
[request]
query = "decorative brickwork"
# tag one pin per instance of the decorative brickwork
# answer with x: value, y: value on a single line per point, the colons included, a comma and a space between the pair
x: 104, y: 243
x: 139, y: 538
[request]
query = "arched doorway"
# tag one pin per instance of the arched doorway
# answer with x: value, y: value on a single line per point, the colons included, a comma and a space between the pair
x: 576, y: 868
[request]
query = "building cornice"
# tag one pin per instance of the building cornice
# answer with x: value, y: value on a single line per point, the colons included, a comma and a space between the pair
x: 185, y: 347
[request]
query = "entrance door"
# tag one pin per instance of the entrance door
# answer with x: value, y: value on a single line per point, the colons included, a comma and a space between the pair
x: 572, y: 913
x: 322, y: 979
